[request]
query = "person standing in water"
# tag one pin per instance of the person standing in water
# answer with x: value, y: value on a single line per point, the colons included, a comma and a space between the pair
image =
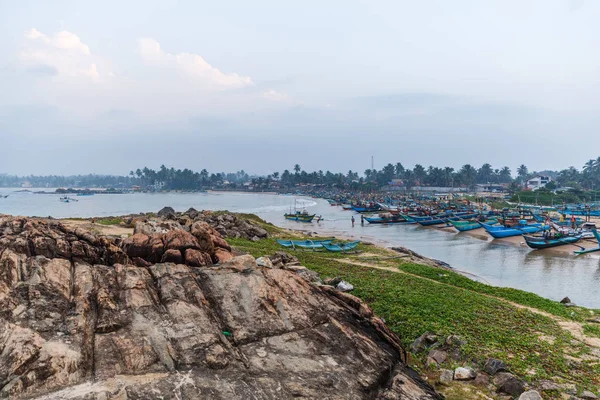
x: 362, y: 219
x: 353, y: 221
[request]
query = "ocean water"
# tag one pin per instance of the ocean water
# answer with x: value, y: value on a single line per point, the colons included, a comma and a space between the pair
x: 546, y: 273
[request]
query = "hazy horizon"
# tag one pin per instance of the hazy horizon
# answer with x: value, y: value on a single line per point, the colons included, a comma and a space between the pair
x: 110, y: 87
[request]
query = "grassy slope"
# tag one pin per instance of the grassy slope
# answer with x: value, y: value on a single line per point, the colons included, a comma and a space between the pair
x: 422, y: 298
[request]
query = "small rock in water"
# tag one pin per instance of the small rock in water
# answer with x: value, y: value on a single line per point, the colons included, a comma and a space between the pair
x: 446, y: 376
x: 493, y: 366
x: 344, y: 286
x: 530, y: 395
x: 464, y: 374
x: 565, y: 300
x: 586, y: 394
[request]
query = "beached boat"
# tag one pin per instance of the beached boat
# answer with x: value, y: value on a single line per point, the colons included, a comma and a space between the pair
x: 346, y: 207
x: 300, y: 216
x: 547, y: 241
x: 367, y: 209
x: 463, y: 226
x: 445, y: 219
x: 341, y: 247
x: 305, y: 244
x: 500, y: 232
x: 394, y: 219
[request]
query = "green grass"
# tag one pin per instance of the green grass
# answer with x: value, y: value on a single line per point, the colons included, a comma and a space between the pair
x: 591, y: 330
x: 414, y: 302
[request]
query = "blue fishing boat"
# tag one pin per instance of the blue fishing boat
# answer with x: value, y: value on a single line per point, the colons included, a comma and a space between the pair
x: 305, y: 244
x: 394, y: 219
x: 463, y: 226
x: 500, y: 232
x: 341, y: 247
x: 367, y: 209
x: 443, y: 220
x: 545, y: 242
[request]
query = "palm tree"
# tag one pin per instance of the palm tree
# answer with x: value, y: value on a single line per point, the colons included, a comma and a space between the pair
x: 522, y: 171
x: 297, y: 169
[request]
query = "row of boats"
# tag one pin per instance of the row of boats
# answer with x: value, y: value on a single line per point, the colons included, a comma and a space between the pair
x: 538, y: 231
x: 328, y: 245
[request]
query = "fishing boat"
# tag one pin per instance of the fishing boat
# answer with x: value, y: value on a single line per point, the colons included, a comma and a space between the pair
x: 305, y: 244
x: 500, y: 232
x: 443, y: 220
x: 547, y: 241
x: 300, y: 216
x: 463, y: 226
x: 66, y: 199
x: 392, y: 219
x: 346, y: 207
x: 367, y: 209
x: 341, y: 247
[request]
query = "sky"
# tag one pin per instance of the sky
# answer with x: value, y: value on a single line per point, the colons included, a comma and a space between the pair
x: 111, y: 86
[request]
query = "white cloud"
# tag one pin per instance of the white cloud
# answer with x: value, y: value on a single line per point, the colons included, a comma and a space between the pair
x: 64, y: 52
x: 274, y: 95
x: 191, y: 64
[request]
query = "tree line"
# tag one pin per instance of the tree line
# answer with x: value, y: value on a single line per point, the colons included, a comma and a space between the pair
x: 185, y: 179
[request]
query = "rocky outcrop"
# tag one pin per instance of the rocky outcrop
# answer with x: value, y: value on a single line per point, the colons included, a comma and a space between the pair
x: 83, y: 320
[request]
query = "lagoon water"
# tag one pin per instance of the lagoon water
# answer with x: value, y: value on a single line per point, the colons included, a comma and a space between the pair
x: 546, y: 273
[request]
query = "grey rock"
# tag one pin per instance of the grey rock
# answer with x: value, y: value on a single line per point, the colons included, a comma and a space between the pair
x: 586, y: 394
x: 508, y: 383
x: 530, y: 395
x: 166, y: 212
x: 481, y: 380
x: 455, y: 341
x: 446, y: 376
x: 548, y: 385
x: 565, y: 300
x: 438, y: 356
x: 493, y: 366
x: 424, y: 341
x: 464, y: 374
x: 344, y: 286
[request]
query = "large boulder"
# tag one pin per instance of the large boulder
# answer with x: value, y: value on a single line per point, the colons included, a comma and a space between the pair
x: 70, y: 329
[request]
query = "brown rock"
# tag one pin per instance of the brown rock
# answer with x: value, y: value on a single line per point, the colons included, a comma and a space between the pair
x: 218, y: 241
x: 223, y: 255
x: 79, y: 330
x: 179, y: 240
x: 172, y: 256
x: 196, y: 258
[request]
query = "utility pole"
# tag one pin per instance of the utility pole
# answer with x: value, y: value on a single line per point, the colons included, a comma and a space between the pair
x: 372, y: 163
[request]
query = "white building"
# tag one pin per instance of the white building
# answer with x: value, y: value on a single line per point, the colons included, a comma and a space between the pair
x: 537, y: 182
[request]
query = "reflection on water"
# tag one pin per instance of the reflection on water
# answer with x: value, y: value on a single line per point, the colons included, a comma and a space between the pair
x: 546, y: 273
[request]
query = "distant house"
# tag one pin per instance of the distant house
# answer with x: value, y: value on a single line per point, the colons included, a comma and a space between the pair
x: 537, y: 182
x: 158, y: 185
